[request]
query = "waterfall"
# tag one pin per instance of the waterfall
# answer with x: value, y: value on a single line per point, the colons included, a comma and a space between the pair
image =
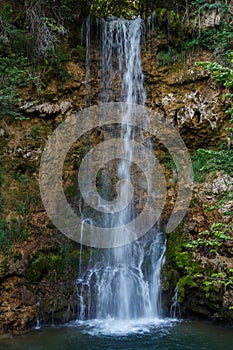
x: 175, y: 307
x: 123, y: 283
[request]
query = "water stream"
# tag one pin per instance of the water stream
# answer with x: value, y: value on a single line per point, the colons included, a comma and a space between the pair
x: 123, y: 283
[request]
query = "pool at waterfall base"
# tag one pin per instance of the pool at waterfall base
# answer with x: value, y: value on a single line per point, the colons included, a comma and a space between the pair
x: 109, y: 334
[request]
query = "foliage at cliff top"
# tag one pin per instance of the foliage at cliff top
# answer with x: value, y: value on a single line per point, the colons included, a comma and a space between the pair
x: 33, y: 30
x: 132, y: 8
x: 33, y: 27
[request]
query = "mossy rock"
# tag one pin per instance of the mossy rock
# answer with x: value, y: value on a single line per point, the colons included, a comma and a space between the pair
x: 42, y: 264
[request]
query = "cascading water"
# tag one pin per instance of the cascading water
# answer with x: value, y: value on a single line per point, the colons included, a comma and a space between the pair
x: 123, y: 283
x: 175, y: 307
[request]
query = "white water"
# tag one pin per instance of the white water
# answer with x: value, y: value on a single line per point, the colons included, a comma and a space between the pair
x: 115, y: 327
x: 120, y: 289
x: 175, y: 307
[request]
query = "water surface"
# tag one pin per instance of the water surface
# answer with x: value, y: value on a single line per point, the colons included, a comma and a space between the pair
x: 138, y: 335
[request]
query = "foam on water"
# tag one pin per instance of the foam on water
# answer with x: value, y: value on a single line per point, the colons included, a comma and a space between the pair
x: 115, y: 327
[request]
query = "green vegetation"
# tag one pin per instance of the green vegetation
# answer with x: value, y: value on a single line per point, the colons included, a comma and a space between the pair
x: 206, y: 161
x: 133, y: 8
x: 34, y: 36
x: 216, y: 281
x: 222, y: 204
x: 14, y: 73
x: 29, y: 37
x: 221, y: 159
x: 34, y: 132
x: 21, y: 177
x: 222, y: 75
x: 182, y: 42
x: 12, y: 232
x: 210, y: 240
x: 189, y: 261
x: 43, y: 263
x: 216, y: 39
x: 194, y: 273
x: 55, y: 260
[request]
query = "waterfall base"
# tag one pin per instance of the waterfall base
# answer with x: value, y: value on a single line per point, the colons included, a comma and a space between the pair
x: 115, y: 327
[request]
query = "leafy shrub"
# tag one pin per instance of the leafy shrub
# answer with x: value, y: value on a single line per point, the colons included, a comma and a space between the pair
x: 206, y: 161
x: 221, y: 74
x: 195, y: 274
x: 14, y: 73
x: 212, y: 238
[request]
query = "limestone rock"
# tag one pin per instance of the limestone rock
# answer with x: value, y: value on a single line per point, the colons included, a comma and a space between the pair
x: 47, y: 108
x: 222, y: 183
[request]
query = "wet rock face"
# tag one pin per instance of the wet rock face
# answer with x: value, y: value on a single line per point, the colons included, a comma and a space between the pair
x: 187, y: 98
x: 18, y: 305
x: 38, y: 281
